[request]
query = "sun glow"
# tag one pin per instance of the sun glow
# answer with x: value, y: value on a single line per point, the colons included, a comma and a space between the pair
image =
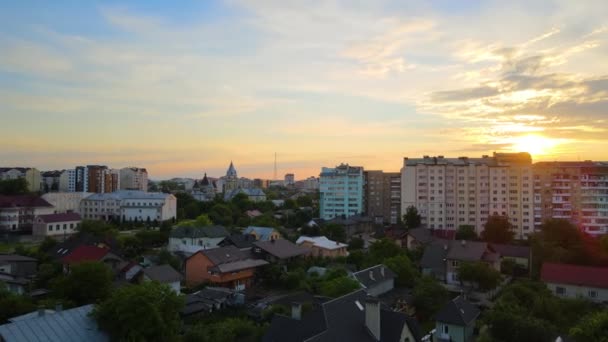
x: 534, y: 144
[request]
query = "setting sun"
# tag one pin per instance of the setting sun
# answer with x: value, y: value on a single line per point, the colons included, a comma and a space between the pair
x: 534, y: 144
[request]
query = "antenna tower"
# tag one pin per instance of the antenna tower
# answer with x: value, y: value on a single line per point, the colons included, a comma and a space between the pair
x: 275, y: 166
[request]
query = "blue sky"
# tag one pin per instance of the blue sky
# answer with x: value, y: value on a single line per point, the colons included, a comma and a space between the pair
x: 184, y: 87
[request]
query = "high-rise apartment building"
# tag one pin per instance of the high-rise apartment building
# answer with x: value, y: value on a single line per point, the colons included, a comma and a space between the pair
x: 576, y: 191
x: 341, y: 191
x: 450, y: 192
x: 290, y: 179
x: 134, y: 178
x: 382, y: 196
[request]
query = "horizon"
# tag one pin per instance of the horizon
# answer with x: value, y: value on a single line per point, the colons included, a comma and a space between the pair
x: 182, y: 90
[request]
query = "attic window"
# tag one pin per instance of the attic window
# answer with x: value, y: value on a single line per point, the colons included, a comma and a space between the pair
x: 359, y: 305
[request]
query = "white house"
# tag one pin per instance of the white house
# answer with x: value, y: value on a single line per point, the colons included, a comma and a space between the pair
x: 56, y: 224
x: 193, y: 239
x: 18, y: 212
x: 574, y: 281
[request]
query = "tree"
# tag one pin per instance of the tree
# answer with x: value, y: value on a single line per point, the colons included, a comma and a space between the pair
x: 12, y: 305
x: 13, y: 186
x: 86, y: 283
x: 356, y: 243
x: 221, y: 214
x: 47, y: 272
x: 429, y: 297
x: 304, y: 201
x: 242, y: 202
x: 383, y: 249
x: 226, y: 330
x: 592, y: 327
x: 334, y: 231
x: 479, y: 273
x: 497, y: 230
x: 145, y: 312
x: 165, y: 257
x: 339, y: 286
x: 131, y: 246
x: 466, y: 232
x: 98, y: 228
x: 411, y: 218
x: 192, y: 210
x: 404, y: 269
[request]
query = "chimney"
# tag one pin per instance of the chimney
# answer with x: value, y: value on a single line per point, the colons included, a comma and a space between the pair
x: 371, y: 275
x: 382, y: 271
x: 296, y: 311
x: 372, y: 317
x: 58, y: 307
x: 463, y: 243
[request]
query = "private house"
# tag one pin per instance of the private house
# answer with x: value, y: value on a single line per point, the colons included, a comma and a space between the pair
x: 254, y: 194
x: 520, y: 254
x: 226, y: 267
x: 574, y: 281
x: 56, y: 224
x: 210, y: 299
x: 164, y: 274
x: 86, y: 253
x: 376, y: 280
x: 354, y: 225
x: 442, y: 258
x: 418, y: 237
x: 17, y: 213
x: 14, y: 283
x: 353, y: 317
x: 84, y: 239
x: 63, y: 325
x: 278, y: 251
x: 320, y: 246
x: 262, y: 233
x: 455, y: 322
x: 18, y: 265
x: 192, y: 239
x: 240, y: 241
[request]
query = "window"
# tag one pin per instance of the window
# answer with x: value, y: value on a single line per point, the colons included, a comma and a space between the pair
x: 445, y: 329
x: 592, y: 294
x: 560, y: 290
x: 454, y: 263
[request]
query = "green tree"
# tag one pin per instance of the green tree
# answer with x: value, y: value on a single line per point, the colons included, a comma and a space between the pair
x: 404, y: 269
x: 266, y: 220
x: 242, y: 202
x: 412, y: 218
x: 221, y: 214
x: 13, y: 186
x: 12, y: 305
x: 429, y: 297
x: 304, y: 201
x: 47, y: 272
x: 339, y: 286
x: 47, y: 244
x: 98, y: 228
x: 497, y: 230
x: 226, y: 330
x: 466, y: 232
x: 356, y: 243
x: 479, y: 273
x: 592, y: 327
x: 383, y: 249
x: 145, y: 312
x: 87, y: 282
x: 334, y: 231
x: 165, y: 257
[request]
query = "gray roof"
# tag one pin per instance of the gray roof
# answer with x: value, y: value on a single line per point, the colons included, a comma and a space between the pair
x: 512, y: 250
x: 467, y: 251
x: 206, y: 299
x: 434, y: 257
x: 240, y: 265
x: 162, y: 274
x: 199, y: 232
x: 458, y: 311
x: 422, y: 235
x: 373, y: 276
x: 224, y: 255
x: 64, y: 326
x: 16, y: 258
x: 281, y: 248
x: 127, y: 195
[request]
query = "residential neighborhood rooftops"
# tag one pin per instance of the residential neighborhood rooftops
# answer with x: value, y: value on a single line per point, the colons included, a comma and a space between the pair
x: 467, y: 250
x: 281, y: 248
x: 575, y: 275
x: 458, y: 311
x: 85, y: 253
x: 68, y: 325
x: 15, y: 258
x: 63, y: 217
x: 374, y: 275
x: 321, y: 242
x: 513, y: 251
x: 199, y: 232
x: 224, y: 255
x: 239, y: 241
x: 240, y: 265
x: 162, y: 274
x: 263, y: 233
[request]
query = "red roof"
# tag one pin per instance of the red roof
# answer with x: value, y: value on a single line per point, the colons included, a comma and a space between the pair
x: 575, y: 275
x: 85, y: 253
x: 22, y: 201
x: 65, y: 217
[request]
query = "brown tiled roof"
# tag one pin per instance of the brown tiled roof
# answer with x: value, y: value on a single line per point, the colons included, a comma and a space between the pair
x: 65, y: 217
x: 22, y: 201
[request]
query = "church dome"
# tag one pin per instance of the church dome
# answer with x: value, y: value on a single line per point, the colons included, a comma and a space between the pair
x: 231, y: 171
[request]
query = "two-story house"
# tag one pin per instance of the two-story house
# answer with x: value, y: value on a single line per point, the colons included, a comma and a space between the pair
x: 320, y: 246
x: 278, y: 251
x: 192, y: 239
x: 574, y: 281
x: 455, y: 322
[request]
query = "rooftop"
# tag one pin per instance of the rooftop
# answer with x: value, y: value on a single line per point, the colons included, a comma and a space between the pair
x: 458, y: 311
x: 374, y: 275
x: 85, y: 253
x: 575, y: 275
x: 64, y: 217
x: 322, y: 242
x: 162, y: 274
x: 281, y: 248
x: 22, y: 201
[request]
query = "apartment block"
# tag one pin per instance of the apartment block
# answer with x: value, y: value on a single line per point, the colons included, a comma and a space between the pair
x: 382, y: 196
x: 134, y: 178
x: 576, y: 191
x: 127, y: 205
x: 450, y: 192
x: 341, y: 191
x: 31, y: 175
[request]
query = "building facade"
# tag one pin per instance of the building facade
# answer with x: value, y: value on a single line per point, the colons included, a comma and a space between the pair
x: 382, y: 196
x: 290, y: 179
x: 341, y: 191
x: 31, y: 175
x: 67, y: 181
x: 575, y: 191
x: 134, y: 178
x: 231, y: 180
x: 126, y: 206
x: 56, y: 224
x: 450, y: 192
x: 17, y: 212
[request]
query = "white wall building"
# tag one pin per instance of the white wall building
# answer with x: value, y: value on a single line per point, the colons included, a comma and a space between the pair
x: 127, y: 205
x: 341, y: 191
x: 134, y: 178
x: 18, y: 212
x: 450, y: 192
x: 67, y: 181
x: 56, y: 224
x: 31, y: 175
x: 65, y: 202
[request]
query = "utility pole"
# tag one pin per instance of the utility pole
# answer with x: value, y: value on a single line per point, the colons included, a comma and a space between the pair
x: 275, y: 166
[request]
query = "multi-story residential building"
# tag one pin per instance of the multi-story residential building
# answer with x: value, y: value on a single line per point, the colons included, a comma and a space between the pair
x: 341, y: 191
x: 382, y: 196
x: 261, y: 183
x: 17, y: 212
x: 450, y: 192
x: 67, y: 181
x: 31, y: 175
x: 50, y: 181
x: 81, y: 179
x: 290, y: 179
x: 576, y: 191
x: 128, y: 205
x: 134, y: 178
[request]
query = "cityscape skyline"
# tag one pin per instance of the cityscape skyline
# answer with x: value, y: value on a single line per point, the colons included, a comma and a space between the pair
x: 181, y: 90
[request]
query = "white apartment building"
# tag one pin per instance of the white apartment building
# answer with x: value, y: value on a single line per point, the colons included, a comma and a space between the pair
x: 67, y: 181
x: 129, y: 205
x: 134, y: 178
x: 450, y: 192
x: 17, y: 212
x: 341, y: 191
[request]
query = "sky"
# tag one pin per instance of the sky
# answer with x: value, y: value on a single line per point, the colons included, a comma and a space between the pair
x: 184, y: 87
